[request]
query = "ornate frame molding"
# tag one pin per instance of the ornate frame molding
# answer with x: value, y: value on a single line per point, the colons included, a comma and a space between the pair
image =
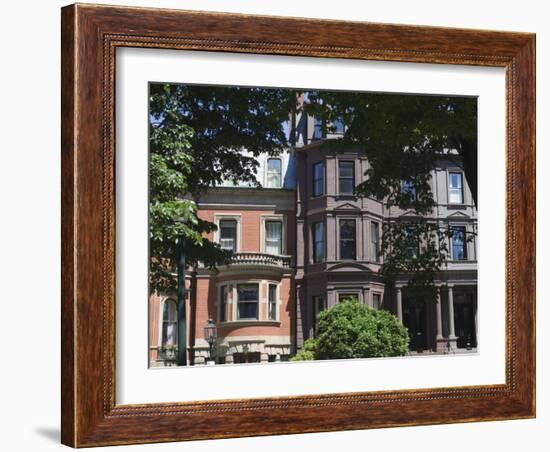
x: 90, y: 36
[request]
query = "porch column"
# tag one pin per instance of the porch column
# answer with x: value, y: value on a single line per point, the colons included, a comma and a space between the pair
x: 440, y: 341
x: 399, y: 306
x: 452, y: 337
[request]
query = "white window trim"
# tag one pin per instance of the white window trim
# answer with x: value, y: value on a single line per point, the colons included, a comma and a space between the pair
x: 273, y: 217
x: 229, y: 216
x: 448, y: 185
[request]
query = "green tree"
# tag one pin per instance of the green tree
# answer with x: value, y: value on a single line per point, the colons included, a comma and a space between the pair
x: 353, y: 330
x: 197, y: 138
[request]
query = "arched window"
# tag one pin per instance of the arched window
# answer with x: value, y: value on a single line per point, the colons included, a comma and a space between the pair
x: 169, y: 323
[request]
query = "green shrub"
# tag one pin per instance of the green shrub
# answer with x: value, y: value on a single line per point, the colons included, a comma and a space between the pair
x: 308, y: 351
x: 353, y: 330
x: 303, y: 355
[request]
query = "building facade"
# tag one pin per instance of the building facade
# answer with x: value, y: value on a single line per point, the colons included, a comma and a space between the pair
x: 305, y: 242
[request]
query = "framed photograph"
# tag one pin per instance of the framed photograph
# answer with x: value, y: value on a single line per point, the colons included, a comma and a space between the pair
x: 282, y: 225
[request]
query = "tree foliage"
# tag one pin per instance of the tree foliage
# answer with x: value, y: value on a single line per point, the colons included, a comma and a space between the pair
x: 403, y: 137
x: 197, y: 138
x: 202, y: 136
x: 353, y: 330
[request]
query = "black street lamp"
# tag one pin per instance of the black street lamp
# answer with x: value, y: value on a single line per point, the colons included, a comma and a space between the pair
x: 210, y: 335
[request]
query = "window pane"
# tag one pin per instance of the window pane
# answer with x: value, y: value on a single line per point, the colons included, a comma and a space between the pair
x: 169, y: 313
x: 455, y: 188
x: 347, y: 229
x: 228, y: 234
x: 347, y: 296
x: 318, y: 242
x: 410, y: 188
x: 347, y: 249
x: 455, y: 180
x: 274, y: 165
x: 346, y: 177
x: 169, y: 323
x: 412, y: 242
x: 318, y: 306
x: 272, y: 293
x: 274, y: 173
x: 223, y: 295
x: 338, y: 126
x: 317, y: 129
x: 346, y: 186
x: 272, y: 302
x: 459, y: 243
x: 248, y: 311
x: 247, y: 301
x: 376, y: 300
x: 346, y: 169
x: 248, y: 292
x: 347, y: 239
x: 318, y: 179
x: 374, y: 241
x: 273, y: 237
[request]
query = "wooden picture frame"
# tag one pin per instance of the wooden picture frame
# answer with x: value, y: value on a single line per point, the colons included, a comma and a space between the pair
x: 90, y: 36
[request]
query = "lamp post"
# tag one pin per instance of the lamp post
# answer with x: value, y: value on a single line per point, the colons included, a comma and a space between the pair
x: 210, y: 335
x: 182, y: 333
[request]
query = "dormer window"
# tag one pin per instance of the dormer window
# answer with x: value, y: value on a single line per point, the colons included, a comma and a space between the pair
x: 274, y: 173
x: 456, y: 193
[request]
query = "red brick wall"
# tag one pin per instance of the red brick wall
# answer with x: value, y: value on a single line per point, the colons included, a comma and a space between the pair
x: 250, y: 227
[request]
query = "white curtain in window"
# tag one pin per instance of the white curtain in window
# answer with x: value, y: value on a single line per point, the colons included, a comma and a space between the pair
x: 273, y: 237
